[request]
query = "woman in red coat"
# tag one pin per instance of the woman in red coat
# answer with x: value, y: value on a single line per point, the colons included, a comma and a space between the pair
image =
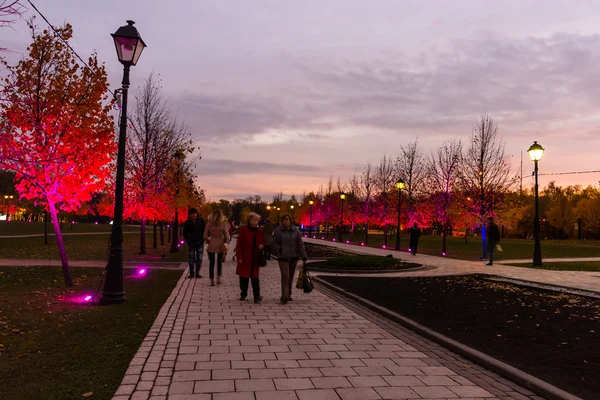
x: 251, y: 241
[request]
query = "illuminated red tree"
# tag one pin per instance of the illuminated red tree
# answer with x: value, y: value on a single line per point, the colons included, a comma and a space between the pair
x: 56, y: 132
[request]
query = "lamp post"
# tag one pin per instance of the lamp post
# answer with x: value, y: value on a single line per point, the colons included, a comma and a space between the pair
x: 340, y: 232
x: 310, y: 218
x: 399, y: 186
x: 278, y: 211
x: 535, y: 153
x: 292, y: 212
x: 129, y: 46
x: 175, y: 239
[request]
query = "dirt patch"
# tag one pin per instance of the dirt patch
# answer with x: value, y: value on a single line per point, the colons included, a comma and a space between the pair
x: 553, y: 336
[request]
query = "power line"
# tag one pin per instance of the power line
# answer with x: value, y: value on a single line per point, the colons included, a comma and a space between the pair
x: 571, y: 173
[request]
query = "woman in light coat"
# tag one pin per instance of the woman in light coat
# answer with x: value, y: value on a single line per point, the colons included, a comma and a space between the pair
x: 216, y: 236
x: 289, y: 248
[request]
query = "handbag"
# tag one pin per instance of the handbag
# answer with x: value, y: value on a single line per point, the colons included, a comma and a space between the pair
x: 262, y: 260
x: 307, y: 283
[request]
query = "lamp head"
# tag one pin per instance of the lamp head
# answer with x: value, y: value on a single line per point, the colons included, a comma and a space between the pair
x: 400, y: 184
x: 343, y: 196
x: 128, y: 43
x: 535, y: 152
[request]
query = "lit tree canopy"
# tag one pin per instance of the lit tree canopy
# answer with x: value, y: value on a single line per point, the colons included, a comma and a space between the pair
x: 56, y: 131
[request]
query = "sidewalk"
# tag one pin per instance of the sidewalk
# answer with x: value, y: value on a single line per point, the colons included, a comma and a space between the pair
x: 207, y: 345
x: 20, y: 262
x: 440, y: 266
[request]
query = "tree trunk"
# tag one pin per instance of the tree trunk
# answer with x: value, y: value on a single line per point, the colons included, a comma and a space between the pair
x: 385, y: 232
x: 61, y: 246
x: 162, y: 234
x: 169, y: 232
x: 444, y: 238
x: 352, y: 232
x: 367, y: 224
x: 143, y: 236
x: 46, y: 227
x: 155, y: 238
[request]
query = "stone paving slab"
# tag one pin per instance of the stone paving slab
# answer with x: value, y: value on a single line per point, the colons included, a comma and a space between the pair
x: 441, y: 266
x: 207, y: 345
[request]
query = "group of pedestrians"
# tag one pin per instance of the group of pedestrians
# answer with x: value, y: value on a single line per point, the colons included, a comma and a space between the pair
x: 254, y: 244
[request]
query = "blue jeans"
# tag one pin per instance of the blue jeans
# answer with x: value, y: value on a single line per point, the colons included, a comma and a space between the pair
x: 196, y: 256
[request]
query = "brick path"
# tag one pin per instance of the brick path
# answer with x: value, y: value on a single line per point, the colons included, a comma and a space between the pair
x: 448, y: 266
x: 207, y: 345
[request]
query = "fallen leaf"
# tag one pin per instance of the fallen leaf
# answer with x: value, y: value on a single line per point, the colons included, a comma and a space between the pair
x: 88, y: 394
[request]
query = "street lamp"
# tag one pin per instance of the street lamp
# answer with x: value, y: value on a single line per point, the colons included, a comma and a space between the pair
x: 399, y: 186
x: 292, y: 212
x: 340, y: 233
x: 310, y: 218
x: 175, y: 239
x: 129, y: 46
x: 535, y: 153
x: 278, y: 210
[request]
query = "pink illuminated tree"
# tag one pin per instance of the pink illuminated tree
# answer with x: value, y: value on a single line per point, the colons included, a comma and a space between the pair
x: 56, y: 131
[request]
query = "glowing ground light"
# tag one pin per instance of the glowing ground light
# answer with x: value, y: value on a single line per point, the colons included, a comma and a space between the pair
x: 141, y: 272
x: 182, y: 242
x: 314, y: 237
x: 87, y: 298
x: 444, y: 254
x: 323, y: 238
x: 347, y: 241
x: 362, y: 244
x: 409, y: 250
x: 383, y: 246
x: 334, y: 239
x: 95, y: 223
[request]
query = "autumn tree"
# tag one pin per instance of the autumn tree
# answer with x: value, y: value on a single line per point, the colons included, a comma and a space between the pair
x: 485, y: 174
x: 155, y: 135
x: 56, y: 131
x: 411, y: 166
x: 442, y: 178
x: 384, y: 181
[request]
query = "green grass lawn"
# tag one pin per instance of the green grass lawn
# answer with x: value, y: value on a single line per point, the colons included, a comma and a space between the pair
x: 513, y: 248
x: 88, y: 247
x: 591, y: 266
x: 32, y: 228
x: 55, y: 350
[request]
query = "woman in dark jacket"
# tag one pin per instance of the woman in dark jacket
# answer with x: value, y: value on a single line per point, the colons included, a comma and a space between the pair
x: 289, y: 248
x: 251, y: 241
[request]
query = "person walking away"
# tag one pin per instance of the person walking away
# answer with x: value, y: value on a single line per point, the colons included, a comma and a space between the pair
x: 493, y: 238
x: 193, y: 232
x: 288, y: 248
x: 414, y: 234
x: 250, y: 242
x: 268, y: 238
x: 216, y: 235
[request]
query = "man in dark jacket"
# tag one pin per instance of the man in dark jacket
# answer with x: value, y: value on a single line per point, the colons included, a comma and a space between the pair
x: 414, y: 234
x: 193, y: 233
x: 493, y: 238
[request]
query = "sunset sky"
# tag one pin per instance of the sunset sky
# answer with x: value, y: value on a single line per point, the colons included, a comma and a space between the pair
x: 282, y: 94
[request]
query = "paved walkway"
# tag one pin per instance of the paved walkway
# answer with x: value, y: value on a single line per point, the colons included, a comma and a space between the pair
x: 64, y: 234
x: 440, y: 266
x: 207, y: 345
